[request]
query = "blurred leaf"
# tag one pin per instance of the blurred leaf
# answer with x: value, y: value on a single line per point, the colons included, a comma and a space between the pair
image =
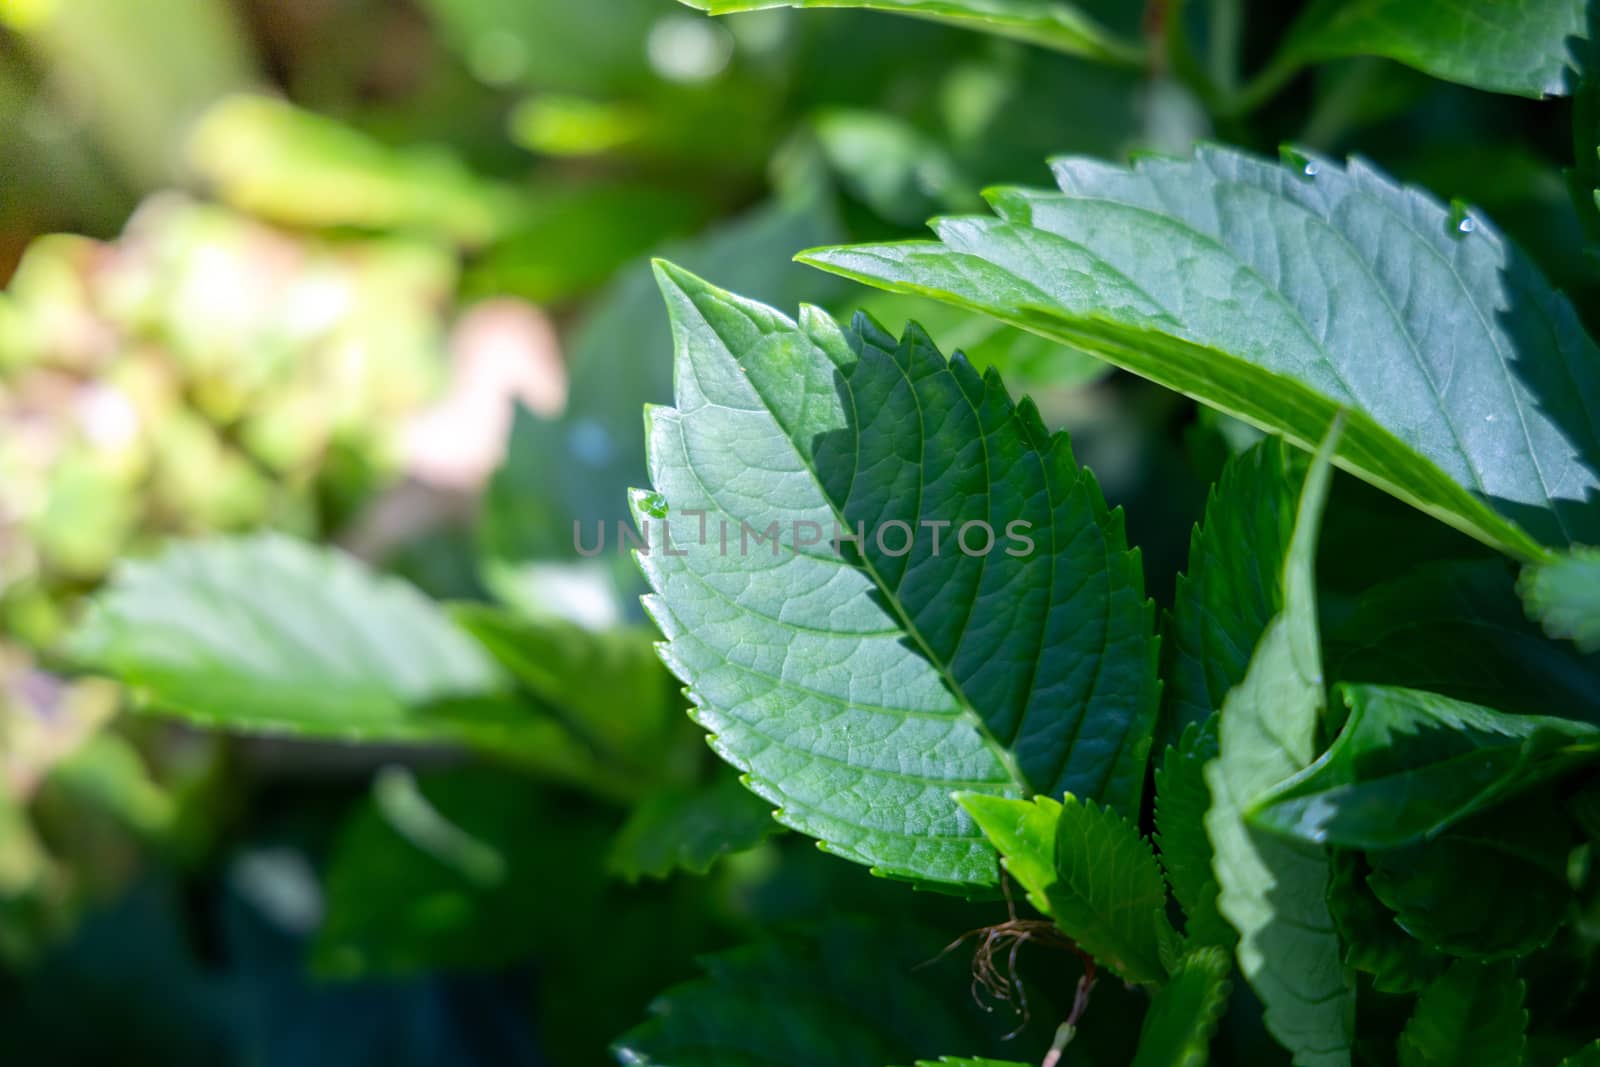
x: 1471, y: 1017
x: 1457, y: 628
x: 1274, y: 890
x: 297, y: 167
x: 569, y: 238
x: 1514, y: 858
x: 138, y: 73
x: 898, y: 171
x: 846, y: 994
x: 1564, y: 595
x: 1408, y: 764
x: 1339, y: 246
x: 578, y: 47
x: 1225, y: 601
x: 1096, y: 876
x: 608, y: 687
x: 689, y: 829
x: 1182, y: 800
x: 1373, y: 941
x: 1046, y: 23
x: 268, y: 634
x: 1504, y: 47
x: 437, y: 874
x: 826, y: 405
x: 1184, y: 1013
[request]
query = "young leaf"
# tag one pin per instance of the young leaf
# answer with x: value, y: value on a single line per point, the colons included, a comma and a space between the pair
x: 1226, y: 599
x: 1274, y: 891
x: 1101, y: 886
x: 1182, y: 800
x: 848, y: 994
x: 1270, y: 292
x: 1564, y: 595
x: 1471, y: 1017
x: 1588, y: 1056
x: 1183, y: 1016
x: 1521, y: 48
x: 859, y: 683
x: 1408, y: 764
x: 682, y: 828
x: 1024, y: 833
x: 1374, y: 942
x: 1046, y: 23
x: 269, y: 634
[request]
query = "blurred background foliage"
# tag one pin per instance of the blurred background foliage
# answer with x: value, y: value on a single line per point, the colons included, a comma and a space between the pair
x: 373, y: 273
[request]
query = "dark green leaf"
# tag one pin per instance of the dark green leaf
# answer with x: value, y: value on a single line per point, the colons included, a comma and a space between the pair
x: 1521, y: 47
x: 847, y: 994
x: 1273, y: 890
x: 1263, y: 290
x: 1182, y: 800
x: 1471, y: 1017
x: 1408, y: 764
x: 1047, y: 23
x: 1564, y: 595
x: 690, y: 828
x: 857, y: 688
x: 1224, y: 602
x: 437, y: 874
x: 1184, y: 1014
x: 1456, y: 627
x: 1514, y: 858
x: 1374, y: 942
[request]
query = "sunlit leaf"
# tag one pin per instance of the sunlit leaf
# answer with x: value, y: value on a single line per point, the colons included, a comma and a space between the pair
x: 857, y: 688
x: 1264, y: 290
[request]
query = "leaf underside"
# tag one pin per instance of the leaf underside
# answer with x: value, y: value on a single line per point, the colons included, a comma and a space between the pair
x: 1504, y: 47
x: 1274, y: 890
x: 1281, y: 294
x: 859, y: 688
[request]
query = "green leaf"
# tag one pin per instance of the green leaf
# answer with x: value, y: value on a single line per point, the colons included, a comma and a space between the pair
x: 1184, y: 1014
x: 268, y: 634
x: 607, y: 687
x: 1588, y: 1056
x: 1521, y: 47
x: 1564, y: 595
x: 1408, y: 764
x: 1515, y: 860
x: 858, y: 688
x: 297, y: 167
x: 436, y: 873
x: 1096, y: 876
x: 1266, y: 290
x: 1182, y: 800
x: 1273, y: 890
x: 1046, y: 23
x: 1374, y: 942
x: 1457, y: 627
x: 1471, y: 1017
x: 689, y: 829
x: 1224, y: 602
x: 824, y: 998
x: 1024, y: 833
x: 947, y: 1061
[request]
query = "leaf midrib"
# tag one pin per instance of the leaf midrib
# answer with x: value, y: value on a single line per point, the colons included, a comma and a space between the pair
x: 964, y: 704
